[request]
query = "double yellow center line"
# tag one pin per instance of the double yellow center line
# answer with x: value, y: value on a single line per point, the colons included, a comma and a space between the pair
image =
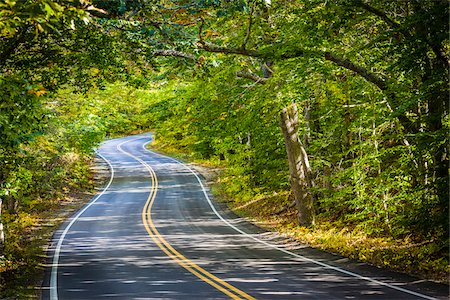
x: 179, y: 258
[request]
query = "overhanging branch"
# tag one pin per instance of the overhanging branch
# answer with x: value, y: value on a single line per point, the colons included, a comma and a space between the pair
x: 437, y: 49
x: 251, y: 76
x: 249, y: 26
x: 209, y: 47
x: 218, y: 49
x: 338, y: 60
x: 173, y: 53
x: 378, y: 13
x: 347, y: 64
x: 342, y: 62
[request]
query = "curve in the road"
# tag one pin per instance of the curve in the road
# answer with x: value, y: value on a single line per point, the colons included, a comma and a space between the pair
x: 284, y: 250
x: 165, y: 240
x: 221, y: 285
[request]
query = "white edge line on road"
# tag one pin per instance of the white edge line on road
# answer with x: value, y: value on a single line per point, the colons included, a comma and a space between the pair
x: 54, y: 273
x: 282, y: 249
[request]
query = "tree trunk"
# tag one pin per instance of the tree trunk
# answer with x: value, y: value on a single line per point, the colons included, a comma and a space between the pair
x: 298, y: 166
x: 307, y: 116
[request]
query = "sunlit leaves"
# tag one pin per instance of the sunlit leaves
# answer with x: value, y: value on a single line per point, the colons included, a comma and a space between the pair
x: 41, y: 16
x: 372, y: 170
x: 21, y: 111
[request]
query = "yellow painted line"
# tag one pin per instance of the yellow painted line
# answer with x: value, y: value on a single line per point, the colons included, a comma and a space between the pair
x: 198, y: 271
x: 178, y: 257
x: 161, y: 243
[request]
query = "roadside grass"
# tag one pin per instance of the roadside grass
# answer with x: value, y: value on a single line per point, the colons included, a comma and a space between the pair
x: 425, y: 259
x: 30, y: 234
x: 22, y: 278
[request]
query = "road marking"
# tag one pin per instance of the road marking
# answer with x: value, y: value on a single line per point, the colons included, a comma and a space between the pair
x: 54, y: 273
x: 325, y: 265
x: 190, y: 266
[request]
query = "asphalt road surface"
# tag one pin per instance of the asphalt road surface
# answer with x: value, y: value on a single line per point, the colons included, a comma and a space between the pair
x: 155, y: 233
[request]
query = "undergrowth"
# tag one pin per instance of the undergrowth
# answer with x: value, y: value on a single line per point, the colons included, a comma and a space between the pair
x: 29, y: 233
x: 417, y: 256
x: 421, y: 258
x: 22, y: 277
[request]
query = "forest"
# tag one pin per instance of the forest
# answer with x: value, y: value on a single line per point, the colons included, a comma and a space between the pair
x: 326, y: 118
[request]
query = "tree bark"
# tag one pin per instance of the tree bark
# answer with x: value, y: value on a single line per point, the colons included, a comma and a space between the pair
x: 298, y: 166
x: 251, y: 76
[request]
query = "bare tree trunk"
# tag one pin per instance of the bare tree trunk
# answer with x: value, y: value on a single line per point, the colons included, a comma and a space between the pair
x: 307, y: 116
x: 298, y: 166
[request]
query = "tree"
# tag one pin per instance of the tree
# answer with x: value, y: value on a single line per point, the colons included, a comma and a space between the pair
x: 390, y: 50
x: 39, y: 41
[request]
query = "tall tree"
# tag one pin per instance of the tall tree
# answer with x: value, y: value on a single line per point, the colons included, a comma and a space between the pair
x: 397, y: 51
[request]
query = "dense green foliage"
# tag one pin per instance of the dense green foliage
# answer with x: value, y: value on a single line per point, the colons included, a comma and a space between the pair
x: 50, y: 51
x: 369, y: 77
x: 53, y: 164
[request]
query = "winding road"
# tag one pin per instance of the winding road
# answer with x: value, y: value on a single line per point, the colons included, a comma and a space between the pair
x: 155, y: 233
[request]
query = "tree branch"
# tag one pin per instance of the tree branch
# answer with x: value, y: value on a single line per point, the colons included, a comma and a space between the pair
x: 347, y: 64
x: 440, y: 55
x: 340, y: 61
x: 173, y: 53
x: 378, y: 81
x: 251, y: 76
x: 96, y: 12
x: 265, y: 68
x: 378, y: 13
x: 217, y: 49
x: 200, y: 30
x: 209, y: 47
x: 249, y: 26
x: 343, y: 62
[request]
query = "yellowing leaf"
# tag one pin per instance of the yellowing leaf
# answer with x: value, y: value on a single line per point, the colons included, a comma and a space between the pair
x: 39, y: 27
x: 38, y: 92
